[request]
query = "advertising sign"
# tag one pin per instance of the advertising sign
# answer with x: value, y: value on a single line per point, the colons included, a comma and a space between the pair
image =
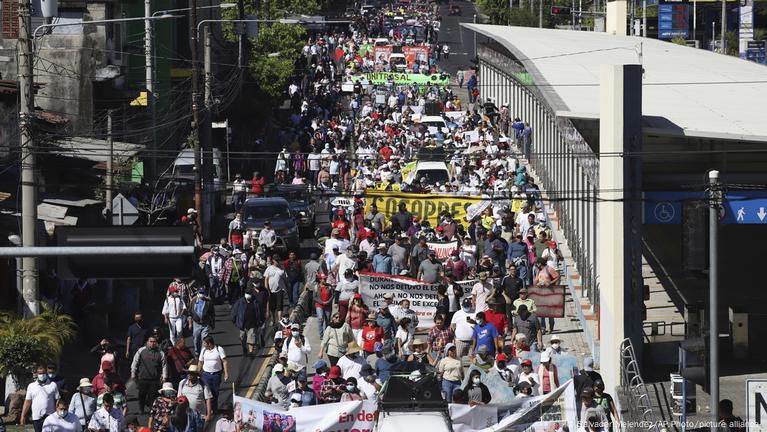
x: 673, y: 20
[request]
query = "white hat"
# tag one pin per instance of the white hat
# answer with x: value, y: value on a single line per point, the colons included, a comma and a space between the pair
x: 545, y: 357
x: 84, y: 382
x: 167, y: 386
x: 191, y: 210
x: 554, y: 338
x: 192, y: 369
x: 278, y: 368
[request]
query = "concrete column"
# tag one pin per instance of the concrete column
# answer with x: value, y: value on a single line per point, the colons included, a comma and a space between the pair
x: 615, y: 19
x: 619, y: 132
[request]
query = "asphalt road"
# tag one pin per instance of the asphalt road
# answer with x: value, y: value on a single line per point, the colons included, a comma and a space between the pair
x: 460, y: 40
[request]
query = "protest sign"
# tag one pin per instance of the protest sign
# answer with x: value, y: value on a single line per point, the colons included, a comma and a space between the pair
x: 382, y: 53
x: 400, y: 78
x: 549, y: 301
x: 422, y: 295
x: 341, y: 416
x: 425, y: 206
x: 467, y: 418
x: 415, y: 53
x: 442, y: 249
x: 543, y: 413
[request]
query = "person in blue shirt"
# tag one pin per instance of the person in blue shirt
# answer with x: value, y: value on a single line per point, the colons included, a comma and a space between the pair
x: 303, y: 395
x: 382, y: 261
x: 384, y: 363
x: 485, y: 334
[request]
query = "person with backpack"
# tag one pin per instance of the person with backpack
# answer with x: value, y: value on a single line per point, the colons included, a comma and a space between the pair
x: 297, y: 348
x: 202, y: 318
x: 233, y: 275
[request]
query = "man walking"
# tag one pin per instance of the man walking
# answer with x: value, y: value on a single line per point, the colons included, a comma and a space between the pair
x: 276, y: 280
x: 40, y: 399
x: 202, y: 319
x: 173, y: 311
x: 246, y: 316
x: 149, y: 369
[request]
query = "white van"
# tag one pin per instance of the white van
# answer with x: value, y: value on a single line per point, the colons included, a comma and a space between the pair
x: 434, y: 123
x: 433, y: 171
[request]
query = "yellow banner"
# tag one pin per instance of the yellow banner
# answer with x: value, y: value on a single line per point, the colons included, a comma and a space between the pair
x: 426, y: 206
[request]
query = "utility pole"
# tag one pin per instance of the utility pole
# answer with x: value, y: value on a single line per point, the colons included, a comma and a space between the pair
x: 207, y: 65
x: 644, y: 18
x: 724, y: 26
x: 715, y: 201
x: 540, y: 13
x: 28, y: 166
x: 196, y: 117
x: 110, y: 161
x: 149, y: 83
x: 475, y: 35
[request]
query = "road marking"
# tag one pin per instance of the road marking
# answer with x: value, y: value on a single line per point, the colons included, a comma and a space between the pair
x: 261, y: 371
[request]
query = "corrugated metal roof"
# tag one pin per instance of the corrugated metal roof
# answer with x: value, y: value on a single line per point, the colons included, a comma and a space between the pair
x: 96, y: 150
x: 686, y: 91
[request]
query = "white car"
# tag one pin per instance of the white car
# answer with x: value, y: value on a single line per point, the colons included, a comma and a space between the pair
x: 433, y: 171
x: 436, y: 421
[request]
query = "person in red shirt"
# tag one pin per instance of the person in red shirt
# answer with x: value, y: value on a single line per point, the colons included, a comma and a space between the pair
x: 107, y: 380
x: 258, y: 184
x: 323, y: 303
x: 372, y: 333
x: 497, y: 316
x: 342, y: 225
x: 385, y: 152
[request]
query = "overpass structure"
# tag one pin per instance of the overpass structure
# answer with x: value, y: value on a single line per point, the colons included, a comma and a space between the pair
x: 625, y: 130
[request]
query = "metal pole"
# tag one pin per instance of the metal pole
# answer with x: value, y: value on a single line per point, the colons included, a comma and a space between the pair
x: 52, y: 251
x: 196, y: 116
x: 475, y: 33
x: 228, y: 158
x: 208, y: 74
x: 724, y: 25
x: 110, y: 161
x: 149, y: 83
x: 713, y: 307
x: 30, y: 287
x: 644, y: 18
x: 695, y: 21
x: 540, y: 13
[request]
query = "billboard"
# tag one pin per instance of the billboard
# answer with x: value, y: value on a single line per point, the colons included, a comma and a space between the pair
x: 673, y: 20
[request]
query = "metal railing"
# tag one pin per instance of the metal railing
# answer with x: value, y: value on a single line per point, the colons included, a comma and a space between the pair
x: 633, y: 392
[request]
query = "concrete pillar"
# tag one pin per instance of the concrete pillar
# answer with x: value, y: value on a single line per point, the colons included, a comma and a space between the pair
x: 616, y: 15
x: 619, y: 133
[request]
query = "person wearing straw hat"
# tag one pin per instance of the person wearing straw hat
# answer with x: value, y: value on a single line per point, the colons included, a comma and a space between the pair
x: 351, y: 363
x: 83, y: 404
x: 162, y: 408
x: 198, y: 394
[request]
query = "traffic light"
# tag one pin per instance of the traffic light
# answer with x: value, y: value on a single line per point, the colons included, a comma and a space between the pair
x: 560, y: 10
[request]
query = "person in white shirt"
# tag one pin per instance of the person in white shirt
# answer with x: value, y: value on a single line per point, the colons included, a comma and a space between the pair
x: 268, y: 237
x: 481, y: 291
x: 462, y: 324
x: 276, y: 281
x: 213, y: 363
x: 197, y: 393
x: 63, y: 420
x: 239, y: 190
x: 40, y: 399
x: 226, y: 422
x: 107, y: 417
x: 351, y: 363
x: 369, y: 385
x: 528, y: 375
x: 297, y: 348
x: 174, y: 311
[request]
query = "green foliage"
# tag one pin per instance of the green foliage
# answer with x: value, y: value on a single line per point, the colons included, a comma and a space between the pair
x: 732, y: 42
x: 679, y: 40
x: 760, y: 34
x: 284, y: 42
x: 27, y: 342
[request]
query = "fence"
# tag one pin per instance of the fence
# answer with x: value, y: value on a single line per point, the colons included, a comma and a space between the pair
x: 633, y: 393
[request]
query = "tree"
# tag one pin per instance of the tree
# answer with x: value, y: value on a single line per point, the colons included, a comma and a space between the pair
x: 25, y: 343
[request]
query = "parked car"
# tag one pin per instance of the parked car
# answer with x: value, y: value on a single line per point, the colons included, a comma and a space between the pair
x: 301, y: 203
x: 454, y: 9
x: 276, y: 210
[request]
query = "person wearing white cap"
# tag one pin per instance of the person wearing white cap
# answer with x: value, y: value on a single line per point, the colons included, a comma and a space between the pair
x: 555, y: 346
x: 196, y: 392
x: 162, y: 406
x: 547, y: 374
x: 450, y: 369
x: 83, y: 404
x: 276, y: 388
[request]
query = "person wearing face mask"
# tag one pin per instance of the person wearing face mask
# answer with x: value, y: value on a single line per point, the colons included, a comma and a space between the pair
x: 462, y: 323
x: 351, y: 392
x: 247, y: 317
x: 450, y: 369
x: 305, y: 395
x: 184, y: 418
x: 526, y: 323
x: 202, y: 319
x: 83, y: 404
x: 137, y: 335
x: 501, y: 368
x: 62, y: 421
x: 337, y: 337
x: 173, y: 311
x: 50, y: 370
x: 197, y: 393
x: 162, y: 409
x: 347, y: 287
x: 40, y: 399
x: 420, y: 355
x: 297, y: 348
x: 555, y: 346
x: 108, y: 379
x: 456, y: 266
x: 476, y: 391
x: 148, y: 369
x: 277, y: 386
